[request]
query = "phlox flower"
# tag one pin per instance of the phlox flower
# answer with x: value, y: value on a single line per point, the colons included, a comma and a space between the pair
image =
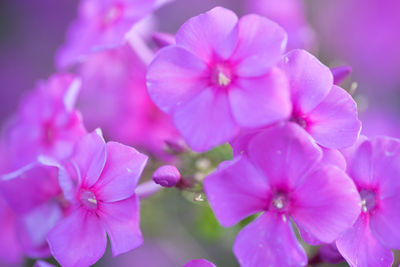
x: 10, y: 251
x: 101, y: 191
x: 34, y: 195
x: 199, y: 263
x: 221, y: 75
x: 326, y: 111
x: 101, y: 25
x: 374, y: 167
x: 281, y: 176
x: 46, y: 122
x: 114, y: 97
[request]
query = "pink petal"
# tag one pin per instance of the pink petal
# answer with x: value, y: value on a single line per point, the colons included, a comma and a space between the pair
x: 269, y: 241
x: 334, y: 122
x: 209, y: 34
x: 340, y: 74
x: 29, y: 187
x: 360, y: 247
x: 285, y: 150
x: 121, y: 221
x: 385, y: 222
x: 78, y: 240
x: 206, y: 121
x: 359, y: 167
x: 261, y: 44
x: 334, y: 157
x: 261, y: 101
x: 90, y: 157
x: 121, y: 173
x: 174, y: 77
x: 326, y: 203
x: 310, y: 81
x: 308, y: 237
x: 199, y: 263
x: 10, y: 250
x: 236, y: 190
x: 329, y: 253
x: 43, y: 264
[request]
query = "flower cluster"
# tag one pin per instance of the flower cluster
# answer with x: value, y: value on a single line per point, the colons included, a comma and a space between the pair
x: 299, y: 162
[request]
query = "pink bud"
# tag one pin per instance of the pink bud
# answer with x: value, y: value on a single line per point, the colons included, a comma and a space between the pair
x: 167, y: 176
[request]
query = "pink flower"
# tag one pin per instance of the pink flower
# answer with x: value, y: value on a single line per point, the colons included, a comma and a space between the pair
x: 10, y: 250
x: 374, y: 167
x: 101, y: 25
x: 114, y: 98
x: 104, y: 203
x: 219, y: 76
x: 199, y: 263
x: 283, y: 177
x: 327, y: 112
x: 46, y: 122
x: 34, y: 195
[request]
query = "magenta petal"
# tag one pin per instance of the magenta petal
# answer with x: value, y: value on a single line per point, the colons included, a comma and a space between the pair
x: 334, y: 157
x: 236, y: 190
x: 334, y: 122
x: 329, y: 253
x: 206, y: 121
x: 360, y: 247
x: 307, y: 237
x: 284, y: 151
x: 212, y: 32
x: 326, y: 203
x: 385, y: 222
x: 10, y: 250
x: 121, y: 221
x: 43, y: 264
x: 90, y: 157
x: 269, y: 241
x: 78, y: 240
x: 174, y: 77
x: 310, y: 81
x: 199, y: 263
x: 359, y: 166
x: 261, y: 101
x: 261, y: 44
x: 121, y: 173
x: 340, y: 74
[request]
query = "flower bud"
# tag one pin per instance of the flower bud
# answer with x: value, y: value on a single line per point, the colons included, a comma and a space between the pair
x: 167, y: 176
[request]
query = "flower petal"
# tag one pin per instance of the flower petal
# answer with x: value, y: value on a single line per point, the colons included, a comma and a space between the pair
x: 90, y: 156
x: 78, y: 240
x: 334, y: 157
x: 206, y: 121
x: 261, y: 45
x: 213, y: 32
x: 121, y: 221
x: 359, y: 166
x: 121, y: 173
x: 326, y: 203
x: 261, y: 101
x: 199, y: 263
x: 310, y: 81
x: 269, y: 241
x: 334, y: 122
x: 284, y: 150
x: 236, y: 190
x: 360, y: 247
x: 174, y: 77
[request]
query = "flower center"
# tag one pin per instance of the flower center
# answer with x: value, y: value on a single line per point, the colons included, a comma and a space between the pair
x: 113, y: 14
x: 221, y: 75
x: 49, y: 133
x: 88, y: 199
x: 368, y: 200
x: 299, y: 120
x: 280, y: 202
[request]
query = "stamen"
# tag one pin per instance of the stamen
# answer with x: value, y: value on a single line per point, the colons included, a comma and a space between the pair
x: 223, y: 80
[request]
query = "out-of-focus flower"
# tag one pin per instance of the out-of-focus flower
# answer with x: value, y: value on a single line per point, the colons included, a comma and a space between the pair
x: 282, y: 176
x: 114, y: 98
x: 101, y: 25
x: 35, y: 197
x: 291, y: 15
x: 199, y: 263
x: 167, y: 176
x: 340, y: 74
x: 220, y: 75
x: 374, y: 167
x: 46, y: 122
x: 10, y: 251
x: 103, y: 203
x: 327, y: 112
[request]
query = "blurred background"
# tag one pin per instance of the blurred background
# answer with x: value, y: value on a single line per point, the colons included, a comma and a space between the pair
x: 363, y: 34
